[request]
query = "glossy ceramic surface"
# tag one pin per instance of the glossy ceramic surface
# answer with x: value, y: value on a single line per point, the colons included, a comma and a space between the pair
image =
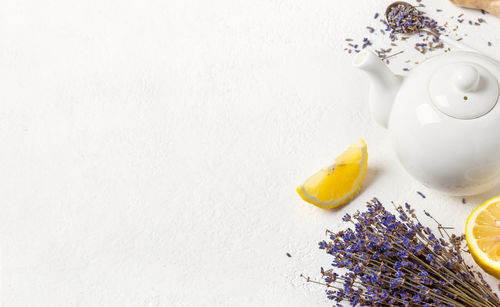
x: 449, y: 143
x: 463, y: 90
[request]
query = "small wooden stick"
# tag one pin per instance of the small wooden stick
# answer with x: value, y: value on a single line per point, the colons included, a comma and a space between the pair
x: 394, y: 54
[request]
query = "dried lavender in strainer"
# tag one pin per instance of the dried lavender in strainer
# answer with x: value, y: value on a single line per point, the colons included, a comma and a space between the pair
x: 393, y: 260
x: 406, y: 20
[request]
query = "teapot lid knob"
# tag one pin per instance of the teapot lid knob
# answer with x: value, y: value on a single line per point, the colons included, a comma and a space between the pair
x: 466, y: 78
x: 464, y: 90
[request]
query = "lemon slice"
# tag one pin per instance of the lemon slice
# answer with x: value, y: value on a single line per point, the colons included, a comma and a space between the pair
x: 335, y: 185
x: 482, y: 232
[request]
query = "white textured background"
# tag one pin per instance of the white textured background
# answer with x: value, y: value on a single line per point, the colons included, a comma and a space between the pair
x: 150, y: 149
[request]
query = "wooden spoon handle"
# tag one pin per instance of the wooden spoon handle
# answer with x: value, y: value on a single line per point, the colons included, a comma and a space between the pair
x: 490, y: 6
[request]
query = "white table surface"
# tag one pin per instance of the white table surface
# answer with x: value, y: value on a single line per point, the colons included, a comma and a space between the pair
x: 151, y: 148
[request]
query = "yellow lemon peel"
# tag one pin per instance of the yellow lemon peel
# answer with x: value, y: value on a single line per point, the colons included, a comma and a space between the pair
x: 337, y: 184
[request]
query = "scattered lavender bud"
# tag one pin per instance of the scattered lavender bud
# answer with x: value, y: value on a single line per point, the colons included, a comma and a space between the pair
x: 421, y: 194
x: 403, y: 19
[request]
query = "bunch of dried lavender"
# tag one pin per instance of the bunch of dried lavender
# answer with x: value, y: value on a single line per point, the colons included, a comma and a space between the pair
x: 395, y: 260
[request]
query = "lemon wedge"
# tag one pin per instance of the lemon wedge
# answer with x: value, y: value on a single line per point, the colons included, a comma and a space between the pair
x: 482, y: 232
x: 335, y: 185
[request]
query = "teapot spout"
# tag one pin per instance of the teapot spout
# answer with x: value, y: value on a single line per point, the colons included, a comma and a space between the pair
x: 384, y: 85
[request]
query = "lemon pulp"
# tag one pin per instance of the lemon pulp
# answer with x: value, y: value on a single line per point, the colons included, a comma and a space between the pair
x: 482, y: 232
x: 487, y: 231
x: 335, y: 185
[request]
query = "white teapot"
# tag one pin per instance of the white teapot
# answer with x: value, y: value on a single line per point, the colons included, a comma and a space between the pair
x: 443, y: 118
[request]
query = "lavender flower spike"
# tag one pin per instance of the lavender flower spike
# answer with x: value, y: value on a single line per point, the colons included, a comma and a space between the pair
x: 393, y: 260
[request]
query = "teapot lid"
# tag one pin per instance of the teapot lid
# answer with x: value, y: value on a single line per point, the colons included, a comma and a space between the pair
x: 464, y: 90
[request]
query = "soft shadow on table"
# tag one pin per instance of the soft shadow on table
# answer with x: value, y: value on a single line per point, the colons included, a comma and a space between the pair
x: 372, y: 175
x: 476, y: 200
